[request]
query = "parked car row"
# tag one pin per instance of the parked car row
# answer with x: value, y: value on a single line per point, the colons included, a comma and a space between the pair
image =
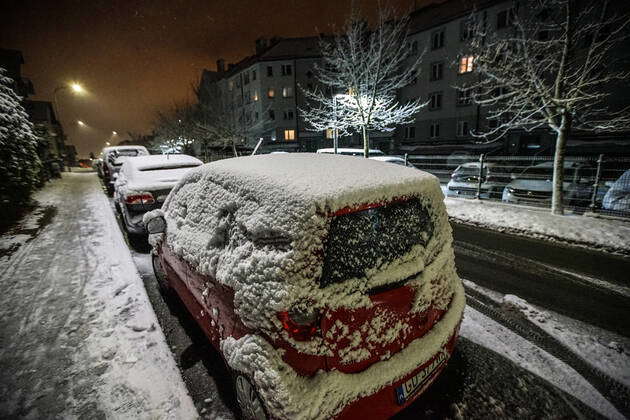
x: 533, y: 185
x: 257, y: 250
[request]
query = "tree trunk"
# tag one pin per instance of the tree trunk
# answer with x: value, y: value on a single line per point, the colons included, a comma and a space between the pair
x: 366, y: 142
x: 557, y: 205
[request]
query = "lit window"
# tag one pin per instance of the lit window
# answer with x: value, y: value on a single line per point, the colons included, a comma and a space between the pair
x: 466, y: 64
x: 286, y: 69
x: 289, y: 135
x: 271, y: 93
x: 255, y: 95
x: 434, y: 130
x: 330, y: 133
x: 462, y: 128
x: 435, y: 100
x: 287, y: 92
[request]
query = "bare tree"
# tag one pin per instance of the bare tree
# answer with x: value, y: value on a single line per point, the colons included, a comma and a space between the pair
x: 551, y: 69
x: 362, y: 70
x: 220, y: 123
x: 175, y: 129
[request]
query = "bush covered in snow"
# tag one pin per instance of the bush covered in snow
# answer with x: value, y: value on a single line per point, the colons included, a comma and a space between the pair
x: 19, y: 164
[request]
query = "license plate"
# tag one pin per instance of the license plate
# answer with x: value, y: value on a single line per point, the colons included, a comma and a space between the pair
x: 410, y: 387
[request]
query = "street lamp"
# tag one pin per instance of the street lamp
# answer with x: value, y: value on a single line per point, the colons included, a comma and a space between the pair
x: 73, y: 87
x: 114, y: 133
x: 81, y: 123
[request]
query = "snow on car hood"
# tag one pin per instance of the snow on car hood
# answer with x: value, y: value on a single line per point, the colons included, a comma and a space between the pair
x: 258, y: 225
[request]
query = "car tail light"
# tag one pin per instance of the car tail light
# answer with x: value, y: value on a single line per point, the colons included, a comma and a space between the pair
x: 139, y: 198
x: 301, y: 324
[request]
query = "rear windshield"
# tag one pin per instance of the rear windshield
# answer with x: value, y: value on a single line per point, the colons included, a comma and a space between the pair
x: 166, y: 168
x: 368, y: 239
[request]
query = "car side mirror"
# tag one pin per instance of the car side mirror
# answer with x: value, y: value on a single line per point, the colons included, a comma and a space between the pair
x: 156, y: 224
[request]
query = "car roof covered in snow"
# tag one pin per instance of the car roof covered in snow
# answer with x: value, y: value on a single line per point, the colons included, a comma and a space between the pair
x: 149, y: 162
x: 330, y: 181
x: 126, y: 147
x: 346, y: 150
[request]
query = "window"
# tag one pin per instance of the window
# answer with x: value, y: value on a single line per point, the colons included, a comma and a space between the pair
x: 464, y: 97
x: 462, y: 128
x: 330, y: 133
x: 492, y: 124
x: 289, y: 135
x: 309, y: 86
x: 253, y: 75
x: 466, y: 29
x: 434, y: 130
x: 269, y: 71
x: 309, y: 74
x: 272, y: 114
x: 287, y: 92
x: 435, y: 100
x: 410, y: 132
x: 500, y: 91
x: 414, y: 47
x: 248, y: 98
x: 437, y: 70
x: 288, y: 115
x: 465, y: 64
x: 246, y: 78
x: 505, y: 18
x: 437, y: 39
x: 255, y: 95
x: 256, y: 116
x: 286, y: 69
x: 271, y: 93
x: 231, y: 85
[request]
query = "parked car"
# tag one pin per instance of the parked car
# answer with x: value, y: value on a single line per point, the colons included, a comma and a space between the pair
x: 327, y: 283
x: 111, y: 162
x: 534, y: 184
x: 396, y: 160
x: 143, y: 184
x: 465, y: 180
x: 350, y: 152
x: 617, y: 198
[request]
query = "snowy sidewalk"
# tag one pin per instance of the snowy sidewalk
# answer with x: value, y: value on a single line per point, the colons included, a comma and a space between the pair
x: 597, y: 233
x: 78, y: 336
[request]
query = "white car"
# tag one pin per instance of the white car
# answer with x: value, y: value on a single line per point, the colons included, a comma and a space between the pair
x: 111, y: 162
x: 396, y: 160
x: 143, y: 184
x: 350, y: 152
x: 465, y: 181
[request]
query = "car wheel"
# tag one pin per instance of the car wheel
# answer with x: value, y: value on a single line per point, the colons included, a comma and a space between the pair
x: 160, y: 275
x: 249, y: 401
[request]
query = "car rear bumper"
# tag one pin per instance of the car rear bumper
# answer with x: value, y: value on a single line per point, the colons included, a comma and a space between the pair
x: 370, y: 393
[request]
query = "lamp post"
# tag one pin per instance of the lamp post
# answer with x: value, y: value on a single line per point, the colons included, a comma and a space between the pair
x: 74, y: 87
x: 336, y: 127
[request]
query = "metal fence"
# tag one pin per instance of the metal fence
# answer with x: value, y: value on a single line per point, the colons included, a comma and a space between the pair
x: 598, y: 184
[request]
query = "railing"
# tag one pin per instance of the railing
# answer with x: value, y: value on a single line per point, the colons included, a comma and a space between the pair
x: 596, y: 184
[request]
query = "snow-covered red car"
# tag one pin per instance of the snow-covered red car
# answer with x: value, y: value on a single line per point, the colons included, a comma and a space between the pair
x: 143, y: 184
x: 326, y: 282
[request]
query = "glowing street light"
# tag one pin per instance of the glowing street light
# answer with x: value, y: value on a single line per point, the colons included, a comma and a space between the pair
x: 76, y: 88
x: 107, y: 143
x: 114, y: 133
x: 81, y: 123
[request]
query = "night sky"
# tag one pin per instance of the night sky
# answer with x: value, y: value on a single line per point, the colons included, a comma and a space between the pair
x: 135, y: 57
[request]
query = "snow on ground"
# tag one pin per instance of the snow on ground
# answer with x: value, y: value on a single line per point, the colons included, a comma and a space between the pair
x: 80, y: 338
x: 601, y: 349
x: 607, y: 234
x: 485, y: 332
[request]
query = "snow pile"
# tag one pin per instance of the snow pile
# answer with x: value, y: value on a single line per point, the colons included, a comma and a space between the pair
x: 258, y: 225
x: 487, y: 333
x: 610, y: 235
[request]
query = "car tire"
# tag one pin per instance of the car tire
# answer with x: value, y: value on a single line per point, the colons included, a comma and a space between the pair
x: 248, y: 398
x: 160, y: 275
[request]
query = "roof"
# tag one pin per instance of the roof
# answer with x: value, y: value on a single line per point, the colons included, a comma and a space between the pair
x: 440, y: 13
x: 331, y: 182
x: 158, y: 161
x: 125, y: 147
